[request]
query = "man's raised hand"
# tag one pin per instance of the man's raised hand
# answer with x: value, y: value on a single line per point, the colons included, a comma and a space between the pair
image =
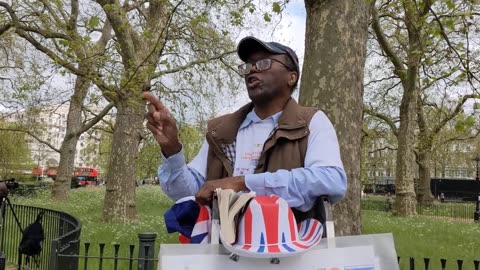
x: 162, y: 125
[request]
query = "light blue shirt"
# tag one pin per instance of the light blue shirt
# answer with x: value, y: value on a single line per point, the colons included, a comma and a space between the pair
x: 323, y: 173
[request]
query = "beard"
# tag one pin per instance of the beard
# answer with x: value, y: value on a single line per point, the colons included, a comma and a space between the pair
x: 261, y: 96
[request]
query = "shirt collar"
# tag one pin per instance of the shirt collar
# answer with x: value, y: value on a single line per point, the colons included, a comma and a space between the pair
x: 252, y: 117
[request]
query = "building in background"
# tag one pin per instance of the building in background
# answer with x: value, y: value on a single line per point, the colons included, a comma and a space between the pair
x: 50, y: 124
x: 452, y: 160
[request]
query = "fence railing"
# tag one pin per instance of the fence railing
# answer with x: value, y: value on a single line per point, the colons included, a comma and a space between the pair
x: 117, y: 257
x: 425, y: 264
x: 61, y: 231
x: 455, y: 211
x: 62, y: 248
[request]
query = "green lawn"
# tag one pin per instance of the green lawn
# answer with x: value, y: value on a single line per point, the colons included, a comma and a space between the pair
x: 418, y: 237
x: 453, y: 210
x: 431, y: 237
x: 87, y: 203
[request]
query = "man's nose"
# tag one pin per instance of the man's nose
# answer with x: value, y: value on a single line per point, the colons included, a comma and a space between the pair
x: 254, y: 69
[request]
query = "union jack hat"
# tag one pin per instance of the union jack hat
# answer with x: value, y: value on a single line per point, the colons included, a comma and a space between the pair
x: 190, y: 220
x: 268, y: 229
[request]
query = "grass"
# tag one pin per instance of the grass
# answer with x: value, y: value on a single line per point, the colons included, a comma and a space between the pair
x: 431, y: 237
x: 418, y: 236
x: 453, y: 210
x: 87, y: 203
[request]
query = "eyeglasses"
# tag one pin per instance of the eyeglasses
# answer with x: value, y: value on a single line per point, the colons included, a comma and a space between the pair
x: 260, y: 65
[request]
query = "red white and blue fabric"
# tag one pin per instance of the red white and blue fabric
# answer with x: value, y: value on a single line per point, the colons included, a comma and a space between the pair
x: 189, y: 219
x: 268, y: 229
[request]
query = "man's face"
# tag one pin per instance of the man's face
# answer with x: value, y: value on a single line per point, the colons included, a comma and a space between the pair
x: 264, y: 86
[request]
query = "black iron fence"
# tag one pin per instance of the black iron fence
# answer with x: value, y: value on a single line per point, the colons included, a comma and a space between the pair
x: 118, y: 257
x: 454, y: 211
x: 426, y: 263
x: 62, y: 249
x: 61, y: 232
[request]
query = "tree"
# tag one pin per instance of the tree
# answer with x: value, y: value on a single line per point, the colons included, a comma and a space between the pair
x: 149, y: 155
x: 405, y: 202
x: 105, y: 149
x: 14, y: 153
x: 454, y: 147
x: 335, y: 51
x: 446, y: 87
x: 192, y: 138
x: 413, y: 39
x: 379, y: 146
x: 145, y: 42
x: 62, y: 42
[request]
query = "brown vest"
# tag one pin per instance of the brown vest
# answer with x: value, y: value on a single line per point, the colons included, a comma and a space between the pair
x: 284, y: 149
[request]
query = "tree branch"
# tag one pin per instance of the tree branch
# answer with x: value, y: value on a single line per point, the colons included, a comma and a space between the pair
x: 52, y: 12
x: 34, y: 136
x: 123, y: 30
x: 455, y: 112
x: 4, y: 28
x: 444, y: 34
x: 72, y: 22
x: 460, y: 138
x: 96, y: 119
x: 191, y: 64
x: 380, y: 80
x: 156, y: 52
x: 446, y: 75
x: 131, y: 6
x: 426, y: 7
x: 385, y: 45
x: 382, y: 117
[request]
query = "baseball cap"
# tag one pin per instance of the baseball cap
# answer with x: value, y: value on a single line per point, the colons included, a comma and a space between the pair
x: 250, y: 44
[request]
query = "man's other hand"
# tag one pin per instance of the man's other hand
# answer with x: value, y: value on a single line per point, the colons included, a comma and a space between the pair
x: 162, y: 125
x: 205, y: 194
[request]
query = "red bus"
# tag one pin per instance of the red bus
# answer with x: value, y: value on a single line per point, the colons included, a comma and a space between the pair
x: 51, y: 172
x: 38, y: 171
x: 84, y: 176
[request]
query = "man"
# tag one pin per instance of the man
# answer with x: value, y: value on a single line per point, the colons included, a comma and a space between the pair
x: 270, y: 146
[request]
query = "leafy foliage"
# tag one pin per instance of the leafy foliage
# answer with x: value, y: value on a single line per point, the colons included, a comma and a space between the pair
x: 14, y: 153
x: 445, y: 84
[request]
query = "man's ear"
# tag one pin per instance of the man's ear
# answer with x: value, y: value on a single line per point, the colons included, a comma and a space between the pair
x: 292, y: 79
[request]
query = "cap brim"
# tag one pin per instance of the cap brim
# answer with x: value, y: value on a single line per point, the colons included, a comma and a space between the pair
x: 251, y: 44
x: 310, y: 234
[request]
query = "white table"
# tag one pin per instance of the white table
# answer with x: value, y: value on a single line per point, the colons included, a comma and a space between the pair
x: 364, y: 250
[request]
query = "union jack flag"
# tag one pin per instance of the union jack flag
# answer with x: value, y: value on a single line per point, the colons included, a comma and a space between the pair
x: 268, y: 226
x: 189, y: 219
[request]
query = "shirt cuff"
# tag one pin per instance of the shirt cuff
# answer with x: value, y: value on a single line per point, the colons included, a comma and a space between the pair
x: 256, y: 182
x: 174, y: 162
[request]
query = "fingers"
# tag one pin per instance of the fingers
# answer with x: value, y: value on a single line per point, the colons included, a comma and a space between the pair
x: 205, y: 194
x: 155, y: 131
x: 149, y: 117
x: 157, y: 112
x: 151, y: 108
x: 157, y: 104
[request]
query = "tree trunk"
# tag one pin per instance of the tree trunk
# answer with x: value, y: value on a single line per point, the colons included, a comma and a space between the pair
x: 335, y: 52
x: 424, y: 158
x: 120, y: 201
x: 66, y: 165
x: 405, y: 201
x: 424, y: 194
